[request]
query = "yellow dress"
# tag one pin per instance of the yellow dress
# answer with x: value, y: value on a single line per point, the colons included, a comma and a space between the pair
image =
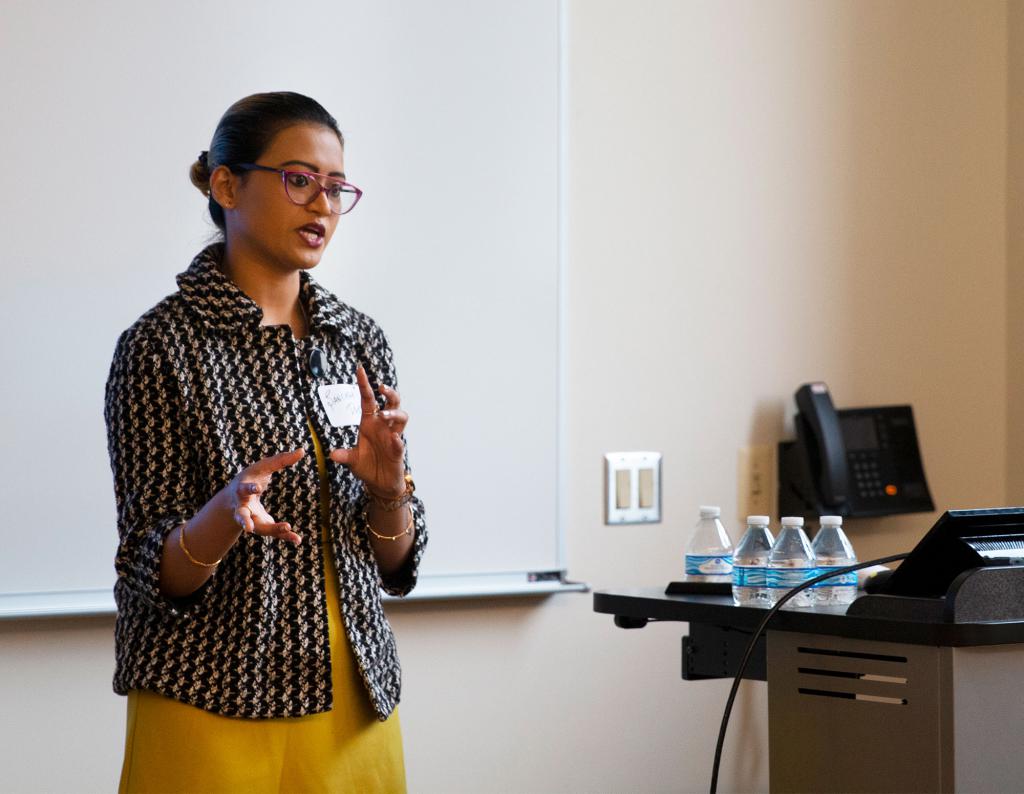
x: 174, y: 747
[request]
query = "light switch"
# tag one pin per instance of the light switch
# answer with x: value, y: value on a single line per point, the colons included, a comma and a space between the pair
x: 646, y: 488
x: 622, y: 488
x: 632, y: 487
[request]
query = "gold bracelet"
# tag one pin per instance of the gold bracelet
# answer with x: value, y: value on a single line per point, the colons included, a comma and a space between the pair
x: 400, y: 501
x: 181, y: 543
x: 376, y: 534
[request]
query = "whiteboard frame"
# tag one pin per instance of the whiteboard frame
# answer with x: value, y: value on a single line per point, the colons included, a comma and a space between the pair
x: 70, y: 603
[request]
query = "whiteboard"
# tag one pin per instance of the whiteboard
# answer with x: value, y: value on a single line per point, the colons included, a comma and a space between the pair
x: 451, y: 114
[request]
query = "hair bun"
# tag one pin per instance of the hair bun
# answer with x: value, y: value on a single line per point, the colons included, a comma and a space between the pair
x: 199, y: 173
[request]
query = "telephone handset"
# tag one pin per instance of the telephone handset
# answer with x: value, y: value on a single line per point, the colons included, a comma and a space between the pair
x: 817, y: 427
x: 851, y: 462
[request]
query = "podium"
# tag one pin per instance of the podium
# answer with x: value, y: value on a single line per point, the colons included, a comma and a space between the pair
x: 864, y: 702
x: 915, y: 688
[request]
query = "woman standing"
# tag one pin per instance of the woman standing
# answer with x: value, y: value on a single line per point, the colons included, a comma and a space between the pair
x: 250, y: 638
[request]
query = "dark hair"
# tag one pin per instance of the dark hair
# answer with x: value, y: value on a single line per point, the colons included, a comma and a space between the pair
x: 245, y: 131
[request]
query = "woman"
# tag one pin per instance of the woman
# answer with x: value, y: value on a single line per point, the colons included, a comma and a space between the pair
x: 250, y: 638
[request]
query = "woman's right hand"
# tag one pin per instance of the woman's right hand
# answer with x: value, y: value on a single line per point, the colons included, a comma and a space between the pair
x: 245, y: 491
x: 211, y: 532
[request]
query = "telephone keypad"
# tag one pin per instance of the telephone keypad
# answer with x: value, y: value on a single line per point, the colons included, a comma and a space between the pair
x: 867, y: 475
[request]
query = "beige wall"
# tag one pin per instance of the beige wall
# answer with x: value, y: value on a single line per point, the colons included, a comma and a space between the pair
x: 759, y: 194
x: 1015, y: 253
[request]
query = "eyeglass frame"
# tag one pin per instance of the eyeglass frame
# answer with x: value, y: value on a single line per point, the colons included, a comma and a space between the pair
x: 285, y: 173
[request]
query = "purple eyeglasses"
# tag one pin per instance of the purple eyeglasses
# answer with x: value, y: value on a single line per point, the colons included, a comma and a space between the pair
x: 303, y: 187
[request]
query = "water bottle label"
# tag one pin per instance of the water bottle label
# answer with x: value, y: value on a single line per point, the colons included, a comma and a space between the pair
x: 843, y: 580
x: 748, y: 576
x: 788, y: 578
x: 705, y: 565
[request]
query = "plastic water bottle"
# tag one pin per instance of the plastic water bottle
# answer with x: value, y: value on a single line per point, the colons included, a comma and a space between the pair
x: 791, y: 563
x: 709, y: 555
x: 750, y: 565
x: 832, y: 550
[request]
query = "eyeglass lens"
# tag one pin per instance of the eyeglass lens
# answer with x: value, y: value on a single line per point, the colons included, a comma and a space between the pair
x: 303, y: 189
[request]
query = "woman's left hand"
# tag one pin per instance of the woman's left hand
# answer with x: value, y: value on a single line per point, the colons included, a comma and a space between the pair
x: 378, y: 458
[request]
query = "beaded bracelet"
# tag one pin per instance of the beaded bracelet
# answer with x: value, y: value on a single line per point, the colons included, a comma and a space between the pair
x: 376, y: 534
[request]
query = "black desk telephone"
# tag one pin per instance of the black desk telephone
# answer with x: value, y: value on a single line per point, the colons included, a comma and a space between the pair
x: 852, y: 462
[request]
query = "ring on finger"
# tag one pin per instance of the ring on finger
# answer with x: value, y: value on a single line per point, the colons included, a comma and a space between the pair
x: 241, y: 519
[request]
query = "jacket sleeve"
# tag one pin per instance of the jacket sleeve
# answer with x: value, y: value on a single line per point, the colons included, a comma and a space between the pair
x: 152, y: 463
x: 379, y: 363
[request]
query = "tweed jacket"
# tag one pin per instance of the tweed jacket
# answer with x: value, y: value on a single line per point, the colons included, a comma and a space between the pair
x: 197, y: 391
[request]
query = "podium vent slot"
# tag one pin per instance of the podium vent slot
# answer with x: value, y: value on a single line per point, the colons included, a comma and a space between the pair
x: 882, y: 679
x: 827, y: 693
x: 876, y: 657
x: 833, y: 673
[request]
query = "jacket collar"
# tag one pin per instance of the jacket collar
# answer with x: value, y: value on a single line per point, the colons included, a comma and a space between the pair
x: 221, y: 306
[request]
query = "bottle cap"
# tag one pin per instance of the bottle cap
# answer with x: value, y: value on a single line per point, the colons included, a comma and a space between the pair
x: 831, y: 521
x: 710, y: 511
x: 792, y: 521
x: 758, y: 521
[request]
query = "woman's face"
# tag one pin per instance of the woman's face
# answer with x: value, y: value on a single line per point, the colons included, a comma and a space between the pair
x: 264, y: 223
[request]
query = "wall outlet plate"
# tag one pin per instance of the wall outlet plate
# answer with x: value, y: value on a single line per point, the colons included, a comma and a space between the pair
x: 632, y: 487
x: 757, y: 481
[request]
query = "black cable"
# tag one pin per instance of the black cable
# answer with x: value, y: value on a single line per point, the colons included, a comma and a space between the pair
x: 760, y: 630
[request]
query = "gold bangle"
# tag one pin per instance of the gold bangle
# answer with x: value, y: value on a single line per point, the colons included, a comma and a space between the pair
x: 181, y: 543
x: 400, y: 501
x: 376, y: 534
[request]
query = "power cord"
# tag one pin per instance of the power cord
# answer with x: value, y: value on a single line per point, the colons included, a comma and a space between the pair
x: 760, y: 630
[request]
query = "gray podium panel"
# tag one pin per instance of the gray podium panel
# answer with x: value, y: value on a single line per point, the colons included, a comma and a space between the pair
x: 855, y: 715
x: 988, y: 718
x: 863, y: 716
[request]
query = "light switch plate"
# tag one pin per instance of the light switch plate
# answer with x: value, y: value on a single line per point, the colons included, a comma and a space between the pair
x: 632, y: 486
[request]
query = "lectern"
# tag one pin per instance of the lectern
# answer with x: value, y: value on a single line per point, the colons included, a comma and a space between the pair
x: 905, y: 691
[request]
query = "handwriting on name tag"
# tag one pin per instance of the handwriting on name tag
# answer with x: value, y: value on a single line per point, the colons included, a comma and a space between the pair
x: 341, y: 403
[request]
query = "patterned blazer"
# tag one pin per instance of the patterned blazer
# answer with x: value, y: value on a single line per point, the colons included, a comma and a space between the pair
x: 198, y: 390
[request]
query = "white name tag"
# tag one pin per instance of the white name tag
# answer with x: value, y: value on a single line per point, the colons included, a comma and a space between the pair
x: 342, y: 403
